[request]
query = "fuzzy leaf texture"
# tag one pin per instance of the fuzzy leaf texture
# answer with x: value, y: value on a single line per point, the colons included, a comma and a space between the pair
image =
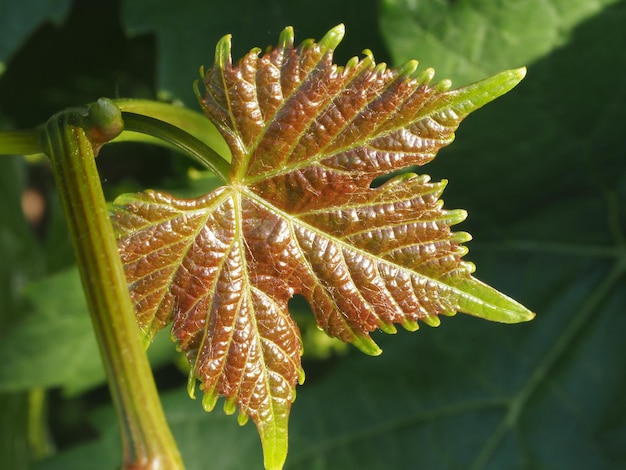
x: 300, y: 216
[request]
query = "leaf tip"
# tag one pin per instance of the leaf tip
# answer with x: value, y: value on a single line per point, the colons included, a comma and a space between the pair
x: 209, y: 399
x: 431, y: 320
x: 426, y: 76
x: 456, y: 216
x: 230, y: 406
x: 242, y: 418
x: 520, y: 72
x: 510, y: 78
x: 146, y: 339
x: 484, y: 301
x: 285, y: 40
x: 332, y: 38
x: 366, y: 345
x: 476, y: 95
x: 410, y: 325
x: 388, y: 328
x: 408, y: 69
x: 274, y: 440
x: 191, y: 385
x: 223, y: 57
x: 519, y: 315
x: 444, y: 85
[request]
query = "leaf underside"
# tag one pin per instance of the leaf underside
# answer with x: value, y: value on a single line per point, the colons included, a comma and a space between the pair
x: 299, y: 216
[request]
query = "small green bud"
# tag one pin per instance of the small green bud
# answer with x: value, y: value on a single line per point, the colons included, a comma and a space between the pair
x: 104, y: 121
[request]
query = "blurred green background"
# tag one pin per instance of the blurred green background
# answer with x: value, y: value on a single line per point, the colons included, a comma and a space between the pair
x: 541, y: 171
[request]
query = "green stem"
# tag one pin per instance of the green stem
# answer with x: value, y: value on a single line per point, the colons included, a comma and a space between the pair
x: 181, y: 140
x: 192, y: 121
x: 39, y: 441
x: 22, y: 142
x: 71, y: 139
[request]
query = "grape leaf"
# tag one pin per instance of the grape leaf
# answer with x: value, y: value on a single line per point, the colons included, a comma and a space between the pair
x: 300, y: 216
x: 18, y: 19
x: 54, y: 345
x: 470, y: 38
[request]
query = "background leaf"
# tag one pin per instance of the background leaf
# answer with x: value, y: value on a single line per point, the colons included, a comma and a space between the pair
x: 184, y: 39
x: 547, y: 224
x: 19, y: 18
x: 468, y: 39
x: 54, y: 346
x: 204, y: 439
x: 19, y: 255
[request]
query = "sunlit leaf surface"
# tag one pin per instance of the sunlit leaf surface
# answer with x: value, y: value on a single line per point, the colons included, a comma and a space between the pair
x: 301, y: 215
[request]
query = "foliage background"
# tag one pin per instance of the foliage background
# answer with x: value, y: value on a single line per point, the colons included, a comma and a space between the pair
x: 542, y: 172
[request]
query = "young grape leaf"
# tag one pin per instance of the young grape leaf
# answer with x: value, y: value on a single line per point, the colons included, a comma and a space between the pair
x: 300, y: 216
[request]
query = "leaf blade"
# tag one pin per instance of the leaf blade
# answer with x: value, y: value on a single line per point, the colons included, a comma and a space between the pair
x: 299, y: 216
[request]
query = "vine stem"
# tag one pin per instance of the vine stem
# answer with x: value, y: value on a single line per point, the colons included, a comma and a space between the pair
x: 20, y: 142
x: 72, y: 139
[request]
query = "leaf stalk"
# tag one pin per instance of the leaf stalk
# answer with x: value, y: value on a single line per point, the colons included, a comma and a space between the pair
x: 181, y: 140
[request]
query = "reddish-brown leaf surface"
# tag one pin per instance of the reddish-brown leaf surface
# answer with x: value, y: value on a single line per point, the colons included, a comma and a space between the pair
x: 299, y: 216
